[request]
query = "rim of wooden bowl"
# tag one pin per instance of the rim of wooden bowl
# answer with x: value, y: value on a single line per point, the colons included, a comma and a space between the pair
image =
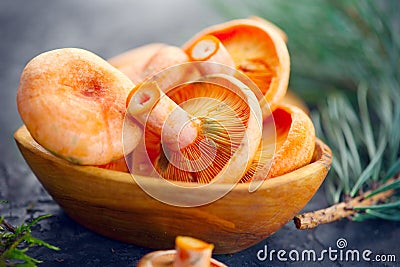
x: 322, y: 156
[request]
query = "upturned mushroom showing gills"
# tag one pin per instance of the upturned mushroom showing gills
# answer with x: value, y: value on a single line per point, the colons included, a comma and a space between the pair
x: 290, y: 147
x: 257, y: 49
x: 201, y: 131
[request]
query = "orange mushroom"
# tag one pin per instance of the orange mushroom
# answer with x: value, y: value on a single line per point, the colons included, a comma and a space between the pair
x: 199, y: 131
x: 73, y: 104
x: 209, y: 48
x: 145, y: 61
x: 287, y: 149
x: 189, y: 252
x: 257, y: 50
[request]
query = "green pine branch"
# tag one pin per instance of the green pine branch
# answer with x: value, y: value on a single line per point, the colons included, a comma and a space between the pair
x: 16, y: 241
x: 350, y: 50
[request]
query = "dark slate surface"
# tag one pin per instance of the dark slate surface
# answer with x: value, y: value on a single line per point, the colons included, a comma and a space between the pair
x: 28, y: 28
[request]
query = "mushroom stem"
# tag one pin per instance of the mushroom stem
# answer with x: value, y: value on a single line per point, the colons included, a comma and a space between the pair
x: 153, y: 109
x: 192, y: 252
x: 209, y: 48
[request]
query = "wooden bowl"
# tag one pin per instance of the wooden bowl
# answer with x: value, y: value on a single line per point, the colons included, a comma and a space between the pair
x: 112, y: 204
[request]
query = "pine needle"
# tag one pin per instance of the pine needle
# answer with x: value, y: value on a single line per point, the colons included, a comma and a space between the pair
x: 15, y: 242
x: 350, y: 50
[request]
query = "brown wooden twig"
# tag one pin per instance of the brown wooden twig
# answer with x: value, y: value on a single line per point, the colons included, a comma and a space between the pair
x: 8, y: 226
x: 339, y: 211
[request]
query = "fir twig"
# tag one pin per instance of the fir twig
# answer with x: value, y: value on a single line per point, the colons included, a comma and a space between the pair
x: 350, y: 50
x: 360, y: 204
x: 15, y: 242
x: 380, y: 171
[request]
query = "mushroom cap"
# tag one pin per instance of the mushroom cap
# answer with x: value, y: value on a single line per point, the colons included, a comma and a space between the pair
x: 73, y: 104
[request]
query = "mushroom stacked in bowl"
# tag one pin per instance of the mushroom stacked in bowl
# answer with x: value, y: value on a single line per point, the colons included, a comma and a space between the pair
x: 192, y: 126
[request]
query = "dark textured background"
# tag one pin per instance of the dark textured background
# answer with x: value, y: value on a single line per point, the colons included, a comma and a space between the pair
x: 107, y: 28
